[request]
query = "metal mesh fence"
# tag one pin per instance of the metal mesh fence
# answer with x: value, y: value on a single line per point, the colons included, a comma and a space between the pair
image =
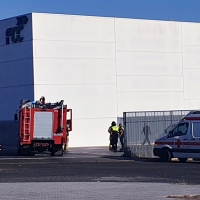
x: 143, y: 128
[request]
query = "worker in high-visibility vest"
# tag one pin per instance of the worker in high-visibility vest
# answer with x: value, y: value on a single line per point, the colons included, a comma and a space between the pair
x: 114, y: 133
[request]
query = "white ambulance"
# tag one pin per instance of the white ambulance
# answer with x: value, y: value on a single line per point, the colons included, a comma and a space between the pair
x: 182, y: 142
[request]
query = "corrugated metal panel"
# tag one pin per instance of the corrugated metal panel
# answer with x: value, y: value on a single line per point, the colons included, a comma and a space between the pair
x: 159, y: 123
x: 43, y: 125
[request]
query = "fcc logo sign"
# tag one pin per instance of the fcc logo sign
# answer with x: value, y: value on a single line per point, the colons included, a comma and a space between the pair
x: 13, y: 34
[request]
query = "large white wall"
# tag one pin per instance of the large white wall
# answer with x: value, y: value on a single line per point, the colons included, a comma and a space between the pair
x: 74, y: 60
x: 191, y: 64
x: 16, y: 69
x: 149, y: 64
x: 102, y: 67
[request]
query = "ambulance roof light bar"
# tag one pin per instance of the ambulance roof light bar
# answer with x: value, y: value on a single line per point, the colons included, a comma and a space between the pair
x: 193, y: 115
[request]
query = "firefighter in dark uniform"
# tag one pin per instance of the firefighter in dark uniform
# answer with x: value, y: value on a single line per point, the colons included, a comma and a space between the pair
x: 42, y: 100
x: 114, y: 133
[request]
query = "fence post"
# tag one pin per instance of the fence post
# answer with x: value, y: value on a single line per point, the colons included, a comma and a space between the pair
x: 125, y: 131
x: 127, y: 152
x: 159, y: 121
x: 171, y: 116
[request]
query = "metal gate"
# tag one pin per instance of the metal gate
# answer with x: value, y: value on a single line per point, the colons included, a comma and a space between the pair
x: 143, y: 128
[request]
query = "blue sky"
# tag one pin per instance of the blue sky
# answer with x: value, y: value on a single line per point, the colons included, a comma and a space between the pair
x: 177, y: 10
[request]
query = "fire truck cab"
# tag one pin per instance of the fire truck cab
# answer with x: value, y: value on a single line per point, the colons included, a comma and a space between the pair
x: 182, y: 142
x: 43, y: 127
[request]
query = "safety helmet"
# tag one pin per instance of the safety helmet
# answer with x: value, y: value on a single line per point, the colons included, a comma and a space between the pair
x: 113, y: 123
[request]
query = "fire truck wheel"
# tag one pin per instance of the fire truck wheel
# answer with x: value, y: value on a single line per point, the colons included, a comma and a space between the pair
x: 24, y: 152
x: 19, y: 152
x: 61, y: 152
x: 165, y: 155
x: 52, y: 152
x: 182, y: 160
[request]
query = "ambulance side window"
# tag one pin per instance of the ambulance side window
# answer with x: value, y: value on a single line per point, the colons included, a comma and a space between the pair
x: 180, y: 130
x: 196, y: 129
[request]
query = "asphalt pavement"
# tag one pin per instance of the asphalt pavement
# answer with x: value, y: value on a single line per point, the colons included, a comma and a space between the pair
x: 80, y: 168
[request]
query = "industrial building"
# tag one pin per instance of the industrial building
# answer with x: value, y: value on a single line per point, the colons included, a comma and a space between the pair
x: 99, y: 66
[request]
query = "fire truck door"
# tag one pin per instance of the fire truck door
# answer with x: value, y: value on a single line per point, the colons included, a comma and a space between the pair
x: 180, y: 135
x: 69, y: 119
x: 43, y: 125
x: 195, y: 140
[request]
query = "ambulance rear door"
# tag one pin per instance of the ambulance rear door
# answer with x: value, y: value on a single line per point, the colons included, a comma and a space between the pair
x: 195, y: 140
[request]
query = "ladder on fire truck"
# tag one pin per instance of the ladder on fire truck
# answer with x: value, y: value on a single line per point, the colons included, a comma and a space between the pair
x: 26, y: 124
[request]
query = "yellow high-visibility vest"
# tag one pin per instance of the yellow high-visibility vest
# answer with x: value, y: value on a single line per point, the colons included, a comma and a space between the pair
x: 115, y: 128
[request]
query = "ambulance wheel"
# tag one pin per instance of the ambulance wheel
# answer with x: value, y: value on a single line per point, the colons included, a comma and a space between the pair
x: 182, y: 160
x: 165, y: 155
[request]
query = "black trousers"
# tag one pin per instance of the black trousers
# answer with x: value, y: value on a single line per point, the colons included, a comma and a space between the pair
x: 115, y: 141
x: 110, y: 140
x: 122, y: 141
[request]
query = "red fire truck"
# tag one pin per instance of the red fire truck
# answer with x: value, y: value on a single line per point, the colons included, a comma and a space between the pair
x: 43, y: 127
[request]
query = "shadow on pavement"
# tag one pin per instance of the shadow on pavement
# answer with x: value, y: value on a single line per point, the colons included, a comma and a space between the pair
x: 132, y: 158
x: 145, y: 159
